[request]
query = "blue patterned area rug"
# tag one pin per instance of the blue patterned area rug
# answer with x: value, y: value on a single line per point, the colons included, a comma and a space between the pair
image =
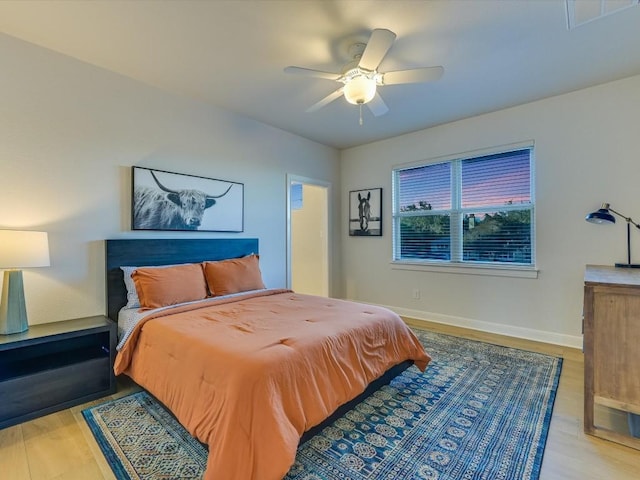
x: 480, y: 411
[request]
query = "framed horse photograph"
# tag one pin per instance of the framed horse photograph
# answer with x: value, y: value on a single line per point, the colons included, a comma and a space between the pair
x: 365, y: 212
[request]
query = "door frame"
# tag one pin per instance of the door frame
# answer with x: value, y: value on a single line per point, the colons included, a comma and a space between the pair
x: 291, y: 179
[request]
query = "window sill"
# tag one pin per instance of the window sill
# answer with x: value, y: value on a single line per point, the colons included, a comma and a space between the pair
x: 467, y: 269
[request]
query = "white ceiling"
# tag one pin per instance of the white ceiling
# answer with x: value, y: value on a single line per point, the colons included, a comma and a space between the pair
x: 496, y: 53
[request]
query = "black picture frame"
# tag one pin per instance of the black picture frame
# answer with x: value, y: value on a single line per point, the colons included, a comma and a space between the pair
x: 162, y: 200
x: 361, y: 202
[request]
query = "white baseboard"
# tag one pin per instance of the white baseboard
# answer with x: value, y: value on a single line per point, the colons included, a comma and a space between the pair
x: 574, y: 341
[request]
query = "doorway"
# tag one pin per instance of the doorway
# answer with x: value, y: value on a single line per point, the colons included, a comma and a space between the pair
x: 308, y: 235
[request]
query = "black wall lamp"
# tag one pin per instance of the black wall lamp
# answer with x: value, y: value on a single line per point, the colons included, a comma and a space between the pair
x: 603, y: 215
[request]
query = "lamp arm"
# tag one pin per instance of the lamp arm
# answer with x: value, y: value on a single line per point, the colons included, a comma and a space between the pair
x: 627, y: 219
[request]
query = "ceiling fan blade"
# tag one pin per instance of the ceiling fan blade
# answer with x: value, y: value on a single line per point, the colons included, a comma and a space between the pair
x: 417, y: 75
x: 326, y: 100
x: 377, y: 106
x: 307, y: 72
x: 377, y: 47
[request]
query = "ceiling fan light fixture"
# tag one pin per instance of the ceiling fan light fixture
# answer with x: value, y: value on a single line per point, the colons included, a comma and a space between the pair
x: 361, y: 78
x: 360, y: 90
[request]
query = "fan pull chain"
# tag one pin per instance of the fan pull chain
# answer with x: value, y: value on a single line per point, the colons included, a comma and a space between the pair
x: 360, y: 114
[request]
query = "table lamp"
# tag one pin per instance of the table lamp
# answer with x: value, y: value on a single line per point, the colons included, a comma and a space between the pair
x: 602, y: 216
x: 18, y: 249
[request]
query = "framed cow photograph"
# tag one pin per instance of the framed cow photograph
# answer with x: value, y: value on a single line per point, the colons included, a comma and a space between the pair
x: 162, y: 200
x: 365, y: 213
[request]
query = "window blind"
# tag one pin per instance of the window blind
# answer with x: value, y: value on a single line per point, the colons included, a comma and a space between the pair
x: 472, y: 210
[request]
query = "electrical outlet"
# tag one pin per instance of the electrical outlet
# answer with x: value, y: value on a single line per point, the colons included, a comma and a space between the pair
x: 416, y: 294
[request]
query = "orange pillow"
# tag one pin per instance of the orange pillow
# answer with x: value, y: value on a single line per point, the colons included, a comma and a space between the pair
x: 159, y: 287
x: 234, y: 275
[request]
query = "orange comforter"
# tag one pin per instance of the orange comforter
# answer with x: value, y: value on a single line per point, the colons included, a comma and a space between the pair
x: 249, y: 375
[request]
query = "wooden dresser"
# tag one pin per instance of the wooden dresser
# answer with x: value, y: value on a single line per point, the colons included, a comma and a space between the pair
x: 611, y: 346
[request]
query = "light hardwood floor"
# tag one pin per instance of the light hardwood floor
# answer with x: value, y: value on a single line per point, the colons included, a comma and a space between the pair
x: 61, y: 447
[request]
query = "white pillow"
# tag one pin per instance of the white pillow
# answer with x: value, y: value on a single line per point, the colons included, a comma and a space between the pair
x: 132, y: 294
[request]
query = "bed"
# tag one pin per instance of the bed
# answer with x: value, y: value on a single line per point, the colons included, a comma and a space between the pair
x: 250, y: 373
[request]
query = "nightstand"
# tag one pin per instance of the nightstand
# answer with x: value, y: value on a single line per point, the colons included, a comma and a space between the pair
x: 54, y: 366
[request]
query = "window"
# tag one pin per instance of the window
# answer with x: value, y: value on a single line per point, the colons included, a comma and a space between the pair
x: 476, y: 211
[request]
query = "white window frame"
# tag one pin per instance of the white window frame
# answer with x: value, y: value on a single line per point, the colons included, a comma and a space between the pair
x: 456, y: 264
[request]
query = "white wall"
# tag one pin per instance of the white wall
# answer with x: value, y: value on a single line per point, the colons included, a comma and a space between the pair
x: 586, y: 152
x: 69, y: 134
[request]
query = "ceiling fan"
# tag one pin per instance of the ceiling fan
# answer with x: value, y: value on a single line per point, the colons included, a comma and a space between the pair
x: 360, y: 77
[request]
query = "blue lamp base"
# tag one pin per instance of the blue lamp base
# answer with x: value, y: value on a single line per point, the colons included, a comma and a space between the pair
x: 634, y: 424
x: 13, y: 312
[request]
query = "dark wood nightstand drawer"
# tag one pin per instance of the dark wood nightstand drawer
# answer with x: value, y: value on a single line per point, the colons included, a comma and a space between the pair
x: 55, y: 366
x: 58, y: 386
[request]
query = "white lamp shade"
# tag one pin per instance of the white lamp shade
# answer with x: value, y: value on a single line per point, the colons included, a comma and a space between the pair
x: 360, y: 90
x: 23, y: 249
